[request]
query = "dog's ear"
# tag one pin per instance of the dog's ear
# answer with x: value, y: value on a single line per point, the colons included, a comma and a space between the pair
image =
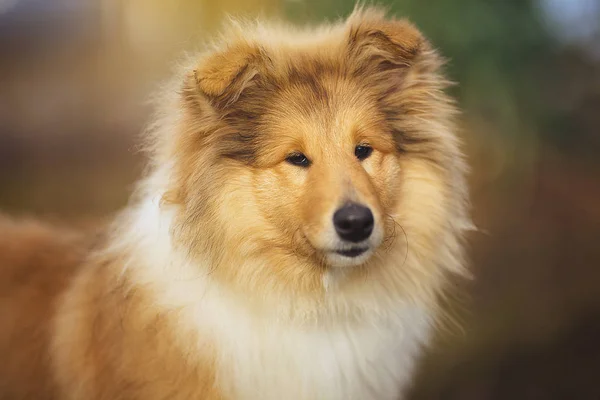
x: 378, y: 42
x: 222, y: 76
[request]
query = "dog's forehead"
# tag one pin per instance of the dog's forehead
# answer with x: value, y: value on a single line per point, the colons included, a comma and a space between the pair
x: 323, y: 106
x: 322, y: 123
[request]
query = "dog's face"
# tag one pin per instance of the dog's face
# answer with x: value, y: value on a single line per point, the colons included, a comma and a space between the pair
x: 329, y: 152
x: 327, y: 169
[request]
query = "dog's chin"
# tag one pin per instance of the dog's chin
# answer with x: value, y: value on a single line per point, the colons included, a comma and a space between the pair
x: 348, y: 257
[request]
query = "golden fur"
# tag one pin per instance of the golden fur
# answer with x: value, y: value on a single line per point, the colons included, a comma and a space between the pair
x: 220, y: 279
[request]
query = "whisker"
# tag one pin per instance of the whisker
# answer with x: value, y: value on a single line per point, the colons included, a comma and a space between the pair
x: 391, y: 238
x: 405, y: 236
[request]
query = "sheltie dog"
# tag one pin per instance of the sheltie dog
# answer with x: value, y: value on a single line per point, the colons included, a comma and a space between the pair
x: 304, y: 206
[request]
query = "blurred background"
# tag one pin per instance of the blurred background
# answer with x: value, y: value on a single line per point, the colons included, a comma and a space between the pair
x: 75, y: 75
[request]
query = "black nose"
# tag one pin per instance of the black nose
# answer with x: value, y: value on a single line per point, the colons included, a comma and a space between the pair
x: 353, y: 222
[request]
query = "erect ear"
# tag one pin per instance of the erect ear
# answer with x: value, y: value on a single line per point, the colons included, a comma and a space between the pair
x: 376, y: 41
x: 221, y: 77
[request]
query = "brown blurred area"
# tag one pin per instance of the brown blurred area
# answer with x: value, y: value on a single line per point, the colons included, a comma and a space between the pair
x: 75, y: 77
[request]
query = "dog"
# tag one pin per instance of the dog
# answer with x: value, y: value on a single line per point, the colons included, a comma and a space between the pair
x: 304, y: 207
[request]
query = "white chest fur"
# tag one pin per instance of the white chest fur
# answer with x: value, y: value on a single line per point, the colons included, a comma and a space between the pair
x: 265, y: 360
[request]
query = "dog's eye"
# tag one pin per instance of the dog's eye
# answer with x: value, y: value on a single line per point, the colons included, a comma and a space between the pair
x: 363, y: 151
x: 298, y: 159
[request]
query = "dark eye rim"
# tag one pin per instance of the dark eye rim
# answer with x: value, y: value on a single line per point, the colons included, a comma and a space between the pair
x: 298, y: 159
x: 363, y: 151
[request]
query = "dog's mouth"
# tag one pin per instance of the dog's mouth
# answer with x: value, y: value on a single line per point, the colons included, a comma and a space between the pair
x: 353, y: 252
x: 343, y: 254
x: 347, y: 256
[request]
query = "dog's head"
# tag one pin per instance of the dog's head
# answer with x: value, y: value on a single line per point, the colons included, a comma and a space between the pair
x: 297, y: 153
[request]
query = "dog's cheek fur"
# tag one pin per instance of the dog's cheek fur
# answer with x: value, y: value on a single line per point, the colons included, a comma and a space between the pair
x: 279, y: 193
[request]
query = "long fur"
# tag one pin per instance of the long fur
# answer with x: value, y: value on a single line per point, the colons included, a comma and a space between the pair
x: 218, y: 281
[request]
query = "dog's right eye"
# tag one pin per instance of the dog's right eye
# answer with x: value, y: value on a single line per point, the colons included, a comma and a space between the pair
x: 298, y: 159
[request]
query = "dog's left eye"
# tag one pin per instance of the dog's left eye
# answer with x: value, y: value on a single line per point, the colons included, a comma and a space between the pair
x: 363, y: 151
x: 298, y: 159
